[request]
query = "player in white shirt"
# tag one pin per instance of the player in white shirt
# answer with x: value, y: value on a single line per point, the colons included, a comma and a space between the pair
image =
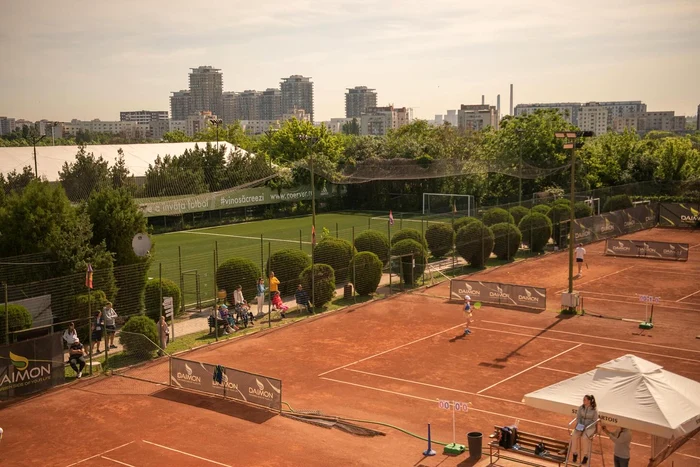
x: 580, y: 254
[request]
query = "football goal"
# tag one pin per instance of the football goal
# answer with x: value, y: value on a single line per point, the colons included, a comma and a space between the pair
x: 445, y: 203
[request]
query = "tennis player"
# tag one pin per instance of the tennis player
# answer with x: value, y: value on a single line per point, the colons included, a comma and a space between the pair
x: 468, y: 313
x: 580, y: 253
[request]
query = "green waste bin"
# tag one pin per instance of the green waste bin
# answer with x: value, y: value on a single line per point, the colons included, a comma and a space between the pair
x: 474, y: 442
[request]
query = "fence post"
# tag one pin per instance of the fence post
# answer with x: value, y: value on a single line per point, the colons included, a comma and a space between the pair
x: 269, y: 305
x: 336, y: 230
x: 354, y: 286
x: 215, y: 312
x: 425, y: 260
x: 369, y: 223
x: 454, y: 245
x: 400, y: 220
x: 7, y: 316
x: 182, y: 291
x: 262, y: 254
x: 301, y: 245
x: 90, y: 326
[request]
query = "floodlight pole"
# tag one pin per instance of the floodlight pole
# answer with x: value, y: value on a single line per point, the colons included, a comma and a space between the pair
x: 572, y: 234
x: 519, y: 132
x: 217, y: 122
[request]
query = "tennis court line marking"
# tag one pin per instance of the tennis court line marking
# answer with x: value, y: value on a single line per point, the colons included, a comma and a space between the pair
x: 597, y: 279
x: 100, y: 454
x: 657, y: 305
x: 645, y: 344
x: 243, y: 237
x: 390, y: 350
x: 186, y: 453
x: 557, y: 370
x: 687, y: 296
x: 530, y: 368
x: 116, y: 461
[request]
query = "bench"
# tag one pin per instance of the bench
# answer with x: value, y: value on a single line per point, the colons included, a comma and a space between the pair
x: 556, y: 450
x: 216, y: 322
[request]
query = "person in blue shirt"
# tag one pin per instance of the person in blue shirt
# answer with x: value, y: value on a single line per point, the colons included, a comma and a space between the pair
x: 260, y: 295
x: 468, y: 313
x: 303, y: 298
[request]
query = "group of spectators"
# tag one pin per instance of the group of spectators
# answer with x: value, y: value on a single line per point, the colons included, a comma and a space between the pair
x: 586, y: 428
x: 103, y: 321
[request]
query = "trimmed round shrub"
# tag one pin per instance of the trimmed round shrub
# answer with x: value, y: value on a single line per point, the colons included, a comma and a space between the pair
x: 440, y: 238
x: 475, y: 243
x: 617, y: 202
x: 337, y: 253
x: 409, y: 234
x: 139, y: 335
x: 582, y: 209
x: 323, y: 283
x: 540, y: 209
x: 536, y: 229
x: 518, y: 212
x: 19, y: 319
x: 374, y: 241
x: 507, y: 239
x: 463, y: 222
x: 368, y: 272
x: 238, y: 271
x: 497, y: 216
x: 152, y: 297
x: 561, y: 202
x: 287, y: 264
x: 410, y: 247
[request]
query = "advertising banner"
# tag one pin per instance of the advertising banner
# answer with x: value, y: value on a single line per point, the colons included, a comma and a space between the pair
x: 231, y: 199
x: 30, y: 366
x: 679, y: 215
x: 500, y: 294
x: 647, y: 249
x: 235, y: 384
x: 615, y: 223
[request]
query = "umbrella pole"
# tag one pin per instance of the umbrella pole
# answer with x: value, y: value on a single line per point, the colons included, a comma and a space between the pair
x: 602, y: 455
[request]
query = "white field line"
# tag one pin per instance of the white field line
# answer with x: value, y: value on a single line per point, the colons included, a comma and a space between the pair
x: 186, y: 453
x: 657, y: 305
x: 100, y: 454
x: 688, y: 296
x: 597, y: 279
x: 243, y: 237
x: 116, y: 461
x: 557, y: 370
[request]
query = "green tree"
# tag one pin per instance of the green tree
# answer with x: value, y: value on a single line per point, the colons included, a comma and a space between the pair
x: 16, y: 181
x: 351, y: 128
x: 367, y: 269
x: 536, y: 229
x: 120, y: 174
x: 139, y: 336
x: 475, y: 243
x: 440, y: 238
x: 507, y: 239
x: 87, y: 174
x: 677, y: 160
x: 374, y: 241
x: 176, y: 136
x: 336, y: 253
x: 19, y: 319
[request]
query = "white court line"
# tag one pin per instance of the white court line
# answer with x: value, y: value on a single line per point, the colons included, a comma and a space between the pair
x: 186, y: 453
x: 98, y: 455
x: 243, y: 237
x: 657, y: 305
x: 687, y: 296
x: 560, y: 371
x: 530, y: 368
x: 645, y: 344
x: 596, y: 279
x: 116, y: 461
x: 391, y: 350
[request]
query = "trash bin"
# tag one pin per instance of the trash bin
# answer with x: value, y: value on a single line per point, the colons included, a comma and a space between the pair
x: 474, y: 443
x: 347, y: 291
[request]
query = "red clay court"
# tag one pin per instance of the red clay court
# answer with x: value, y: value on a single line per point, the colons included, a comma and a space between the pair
x: 387, y: 361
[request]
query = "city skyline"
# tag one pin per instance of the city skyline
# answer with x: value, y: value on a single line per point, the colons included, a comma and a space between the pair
x: 427, y: 60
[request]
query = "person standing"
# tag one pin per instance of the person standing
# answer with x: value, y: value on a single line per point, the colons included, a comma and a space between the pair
x: 164, y: 334
x: 580, y: 254
x: 468, y: 313
x: 585, y: 429
x: 260, y: 296
x: 70, y: 335
x: 76, y: 357
x: 110, y: 324
x: 97, y: 329
x: 274, y: 284
x: 622, y: 439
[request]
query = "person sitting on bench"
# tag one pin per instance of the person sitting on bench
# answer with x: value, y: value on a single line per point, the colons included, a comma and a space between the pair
x: 228, y: 319
x: 302, y: 298
x: 585, y: 429
x: 241, y: 306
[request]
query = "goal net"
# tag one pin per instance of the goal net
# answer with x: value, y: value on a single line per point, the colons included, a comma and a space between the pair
x: 445, y: 203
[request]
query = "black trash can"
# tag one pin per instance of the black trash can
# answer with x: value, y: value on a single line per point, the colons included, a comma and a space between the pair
x: 474, y: 441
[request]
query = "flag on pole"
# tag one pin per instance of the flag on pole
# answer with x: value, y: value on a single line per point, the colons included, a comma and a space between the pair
x: 313, y: 235
x: 88, y: 277
x: 391, y: 218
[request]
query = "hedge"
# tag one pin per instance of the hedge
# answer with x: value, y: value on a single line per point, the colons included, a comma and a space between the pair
x: 617, y: 202
x: 19, y: 319
x: 410, y: 247
x: 367, y: 271
x: 540, y: 209
x: 440, y: 238
x: 139, y: 336
x: 518, y: 212
x: 463, y: 222
x: 497, y: 216
x: 582, y: 209
x: 287, y: 264
x: 409, y: 234
x: 507, y: 239
x: 475, y: 243
x: 561, y: 202
x: 153, y: 301
x: 536, y: 229
x: 324, y: 284
x: 337, y: 253
x: 374, y: 241
x: 239, y: 271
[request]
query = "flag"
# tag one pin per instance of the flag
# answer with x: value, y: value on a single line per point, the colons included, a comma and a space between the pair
x: 88, y: 277
x: 391, y: 218
x: 313, y: 235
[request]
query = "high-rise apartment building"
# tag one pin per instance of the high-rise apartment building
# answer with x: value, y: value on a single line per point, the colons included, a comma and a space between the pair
x: 592, y: 117
x: 7, y: 125
x: 143, y: 116
x: 271, y: 104
x: 206, y: 89
x: 377, y: 121
x: 477, y: 117
x: 228, y: 107
x: 297, y: 93
x: 180, y: 105
x: 248, y: 105
x: 358, y: 100
x: 568, y: 110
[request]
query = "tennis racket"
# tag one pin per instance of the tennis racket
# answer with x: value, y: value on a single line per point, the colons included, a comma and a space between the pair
x: 477, y: 305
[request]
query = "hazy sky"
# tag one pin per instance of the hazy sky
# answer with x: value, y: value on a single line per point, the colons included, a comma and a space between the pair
x: 80, y: 59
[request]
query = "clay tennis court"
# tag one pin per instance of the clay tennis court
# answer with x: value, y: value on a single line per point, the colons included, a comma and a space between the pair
x: 388, y: 361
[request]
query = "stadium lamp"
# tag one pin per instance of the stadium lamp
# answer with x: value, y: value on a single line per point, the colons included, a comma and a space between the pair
x: 217, y: 122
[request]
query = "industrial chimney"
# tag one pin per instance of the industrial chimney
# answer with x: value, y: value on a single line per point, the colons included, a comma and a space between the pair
x: 511, y: 100
x: 498, y: 106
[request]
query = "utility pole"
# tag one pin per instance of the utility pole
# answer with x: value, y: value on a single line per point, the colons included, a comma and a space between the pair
x: 34, y: 140
x: 519, y: 132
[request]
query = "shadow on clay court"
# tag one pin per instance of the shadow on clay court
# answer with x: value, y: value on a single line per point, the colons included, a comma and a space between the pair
x: 543, y: 331
x: 216, y: 404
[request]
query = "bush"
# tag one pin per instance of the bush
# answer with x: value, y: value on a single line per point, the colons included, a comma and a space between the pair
x: 287, y: 264
x: 153, y: 301
x: 518, y: 212
x: 440, y: 239
x: 540, y: 209
x: 536, y: 229
x: 561, y: 202
x: 374, y: 241
x: 324, y: 284
x: 368, y: 272
x: 139, y: 335
x: 582, y: 209
x: 617, y: 202
x: 497, y: 216
x: 559, y: 213
x: 507, y: 239
x: 463, y: 222
x: 410, y: 247
x: 337, y: 253
x: 239, y: 271
x: 475, y: 243
x: 19, y: 319
x: 409, y: 234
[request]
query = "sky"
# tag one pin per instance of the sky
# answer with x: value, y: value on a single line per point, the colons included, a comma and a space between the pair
x: 86, y: 60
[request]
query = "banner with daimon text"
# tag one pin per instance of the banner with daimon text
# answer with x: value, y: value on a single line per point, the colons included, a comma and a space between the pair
x: 235, y: 384
x: 647, y: 249
x: 498, y: 293
x: 615, y: 223
x: 679, y: 215
x: 30, y: 366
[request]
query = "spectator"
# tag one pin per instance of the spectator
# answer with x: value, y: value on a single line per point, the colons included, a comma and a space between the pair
x: 585, y: 429
x: 110, y: 324
x: 279, y: 305
x: 164, y: 332
x: 260, y: 296
x: 274, y: 284
x: 230, y: 322
x: 622, y: 439
x: 241, y: 306
x: 70, y: 335
x: 76, y: 357
x: 97, y: 328
x: 303, y: 299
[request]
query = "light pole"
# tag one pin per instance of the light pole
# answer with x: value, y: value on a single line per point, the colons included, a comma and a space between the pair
x: 519, y: 132
x: 218, y: 122
x: 53, y: 139
x: 34, y: 140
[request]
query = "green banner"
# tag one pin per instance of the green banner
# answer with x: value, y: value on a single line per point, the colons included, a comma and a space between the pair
x: 233, y: 199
